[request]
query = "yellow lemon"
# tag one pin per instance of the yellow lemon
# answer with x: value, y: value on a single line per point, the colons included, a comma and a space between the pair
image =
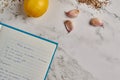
x: 35, y: 8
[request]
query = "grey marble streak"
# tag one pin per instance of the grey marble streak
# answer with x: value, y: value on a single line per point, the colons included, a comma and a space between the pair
x: 66, y: 68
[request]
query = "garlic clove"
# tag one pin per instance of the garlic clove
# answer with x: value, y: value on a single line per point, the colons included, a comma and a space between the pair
x: 72, y: 13
x: 96, y: 22
x: 68, y: 25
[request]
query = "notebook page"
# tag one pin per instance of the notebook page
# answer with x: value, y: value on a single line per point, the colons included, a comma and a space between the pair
x: 23, y: 57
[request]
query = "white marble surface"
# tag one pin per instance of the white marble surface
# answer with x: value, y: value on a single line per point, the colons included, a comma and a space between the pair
x: 87, y: 53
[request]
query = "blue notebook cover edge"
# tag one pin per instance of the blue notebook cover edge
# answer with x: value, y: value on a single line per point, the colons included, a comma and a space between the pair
x: 39, y: 38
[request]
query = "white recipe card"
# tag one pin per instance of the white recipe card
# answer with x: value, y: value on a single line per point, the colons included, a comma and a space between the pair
x: 24, y: 56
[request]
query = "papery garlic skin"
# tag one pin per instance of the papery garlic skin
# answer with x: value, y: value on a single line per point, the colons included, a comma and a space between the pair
x: 72, y: 13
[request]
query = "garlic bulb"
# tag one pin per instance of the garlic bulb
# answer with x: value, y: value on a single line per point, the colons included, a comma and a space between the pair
x: 72, y: 13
